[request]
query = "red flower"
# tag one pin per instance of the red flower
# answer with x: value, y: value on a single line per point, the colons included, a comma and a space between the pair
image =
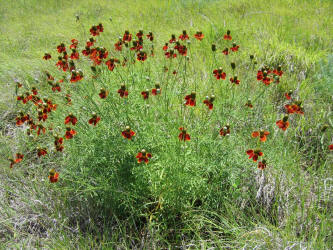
x: 330, y: 147
x: 59, y: 148
x: 111, y: 63
x: 41, y: 152
x: 137, y: 46
x: 75, y: 54
x: 76, y: 76
x: 141, y: 56
x: 94, y: 120
x: 139, y: 35
x: 234, y: 80
x: 190, y: 99
x: 21, y: 119
x: 123, y: 91
x: 56, y: 87
x: 288, y: 95
x: 254, y: 154
x: 173, y: 39
x: 145, y: 94
x: 225, y: 130
x: 118, y: 45
x: 68, y: 99
x: 227, y: 36
x: 62, y: 64
x: 165, y: 47
x: 34, y: 91
x: 209, y: 101
x: 294, y: 108
x: 103, y: 93
x: 69, y: 133
x: 90, y: 42
x: 170, y: 54
x: 234, y: 47
x: 156, y: 90
x: 150, y: 36
x: 61, y: 48
x: 19, y: 157
x: 183, y: 36
x: 58, y: 140
x: 267, y: 80
x: 128, y: 133
x: 199, y: 35
x: 100, y: 27
x: 42, y: 116
x: 47, y: 56
x: 260, y: 75
x: 74, y: 44
x: 127, y: 36
x: 283, y: 124
x: 262, y: 164
x: 40, y: 129
x: 182, y: 50
x: 143, y: 156
x: 226, y: 51
x: 184, y: 136
x: 219, y: 74
x: 53, y: 176
x: 262, y: 135
x: 95, y: 30
x: 71, y: 118
x: 278, y: 71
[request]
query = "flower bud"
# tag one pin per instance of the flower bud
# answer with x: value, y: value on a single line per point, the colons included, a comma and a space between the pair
x: 213, y: 47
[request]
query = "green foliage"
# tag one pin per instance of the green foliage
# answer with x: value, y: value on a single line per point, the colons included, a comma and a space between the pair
x: 204, y: 191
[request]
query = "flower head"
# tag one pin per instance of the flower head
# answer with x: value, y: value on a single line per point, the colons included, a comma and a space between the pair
x: 145, y: 94
x: 225, y: 130
x: 156, y: 90
x: 234, y: 47
x: 127, y: 37
x: 123, y: 91
x: 94, y: 119
x: 53, y: 175
x: 143, y: 156
x: 219, y: 74
x: 41, y: 152
x: 190, y: 99
x: 283, y: 124
x: 199, y: 35
x: 128, y: 133
x: 103, y: 93
x: 262, y: 164
x: 184, y: 136
x: 234, y: 80
x: 227, y: 36
x: 184, y: 36
x: 71, y: 118
x: 47, y: 56
x: 254, y: 154
x: 69, y: 133
x: 141, y: 56
x: 262, y: 134
x: 209, y: 101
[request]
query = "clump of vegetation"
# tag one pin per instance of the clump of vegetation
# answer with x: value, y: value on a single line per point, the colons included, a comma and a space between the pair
x: 190, y: 138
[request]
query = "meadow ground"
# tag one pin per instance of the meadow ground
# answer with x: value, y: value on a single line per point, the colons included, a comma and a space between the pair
x: 204, y: 192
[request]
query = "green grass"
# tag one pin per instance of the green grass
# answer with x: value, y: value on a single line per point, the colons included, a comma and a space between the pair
x: 201, y: 193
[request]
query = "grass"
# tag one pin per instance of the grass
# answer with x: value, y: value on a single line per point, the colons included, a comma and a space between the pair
x: 203, y: 193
